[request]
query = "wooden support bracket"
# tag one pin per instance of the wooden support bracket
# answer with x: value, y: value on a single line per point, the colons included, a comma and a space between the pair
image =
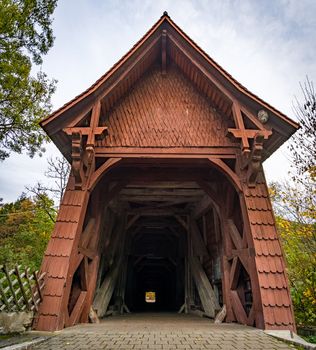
x: 87, y: 233
x: 87, y: 252
x: 239, y: 310
x: 76, y: 312
x: 234, y: 273
x: 77, y: 159
x: 106, y: 166
x: 244, y: 134
x: 99, y: 131
x: 228, y: 172
x: 234, y: 234
x: 244, y: 255
x: 254, y: 163
x: 84, y: 273
x: 83, y: 143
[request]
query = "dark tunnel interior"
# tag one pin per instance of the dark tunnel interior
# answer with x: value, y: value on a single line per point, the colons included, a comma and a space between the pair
x: 148, y: 244
x: 156, y: 265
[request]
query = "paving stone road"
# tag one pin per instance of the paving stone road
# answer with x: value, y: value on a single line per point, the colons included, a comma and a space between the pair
x: 161, y: 331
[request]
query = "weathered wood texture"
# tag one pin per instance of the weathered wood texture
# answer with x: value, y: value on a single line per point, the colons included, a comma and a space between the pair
x: 105, y: 291
x: 20, y: 289
x: 205, y: 290
x: 165, y: 111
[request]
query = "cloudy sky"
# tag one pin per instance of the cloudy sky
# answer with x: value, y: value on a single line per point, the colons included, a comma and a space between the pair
x: 267, y: 45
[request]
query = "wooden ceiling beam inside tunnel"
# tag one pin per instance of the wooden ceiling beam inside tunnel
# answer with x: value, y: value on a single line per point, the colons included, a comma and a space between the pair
x: 163, y: 184
x: 145, y: 191
x: 160, y: 196
x: 155, y: 196
x: 162, y: 212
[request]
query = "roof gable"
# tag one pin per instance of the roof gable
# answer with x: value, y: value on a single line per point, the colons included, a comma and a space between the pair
x: 165, y: 111
x: 165, y: 43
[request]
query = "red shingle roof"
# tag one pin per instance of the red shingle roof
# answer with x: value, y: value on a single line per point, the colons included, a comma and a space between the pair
x: 287, y: 125
x: 277, y: 307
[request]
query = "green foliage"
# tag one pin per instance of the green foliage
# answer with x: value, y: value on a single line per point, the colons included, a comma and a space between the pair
x: 298, y: 246
x: 295, y: 205
x: 25, y: 35
x: 310, y: 338
x: 297, y: 228
x: 25, y: 228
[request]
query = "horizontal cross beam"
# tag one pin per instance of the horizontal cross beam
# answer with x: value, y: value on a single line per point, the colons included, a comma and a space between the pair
x: 99, y: 131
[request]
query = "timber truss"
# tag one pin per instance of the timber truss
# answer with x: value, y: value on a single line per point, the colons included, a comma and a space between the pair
x: 166, y: 185
x: 113, y: 221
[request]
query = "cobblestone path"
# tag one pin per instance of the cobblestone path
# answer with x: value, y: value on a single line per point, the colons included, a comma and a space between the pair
x: 161, y: 331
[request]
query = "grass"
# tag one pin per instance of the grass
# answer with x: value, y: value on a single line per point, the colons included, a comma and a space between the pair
x: 5, y: 336
x: 310, y: 338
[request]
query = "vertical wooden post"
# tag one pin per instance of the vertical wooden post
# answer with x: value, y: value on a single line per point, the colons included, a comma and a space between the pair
x: 189, y: 300
x: 92, y: 269
x: 186, y: 285
x: 124, y: 273
x: 226, y: 254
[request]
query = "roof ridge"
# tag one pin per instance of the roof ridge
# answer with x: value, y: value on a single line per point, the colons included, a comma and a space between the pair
x: 165, y: 18
x: 228, y: 75
x: 109, y: 71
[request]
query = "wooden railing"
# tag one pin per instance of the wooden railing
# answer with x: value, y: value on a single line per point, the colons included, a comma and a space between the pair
x: 20, y: 289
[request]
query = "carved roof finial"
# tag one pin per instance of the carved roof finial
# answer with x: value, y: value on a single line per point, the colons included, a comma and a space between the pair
x: 165, y: 13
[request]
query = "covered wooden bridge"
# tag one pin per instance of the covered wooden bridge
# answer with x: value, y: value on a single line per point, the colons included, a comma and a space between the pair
x: 167, y: 207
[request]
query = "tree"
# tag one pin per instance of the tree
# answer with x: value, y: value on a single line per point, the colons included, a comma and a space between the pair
x: 25, y: 228
x: 300, y: 249
x: 58, y: 170
x: 303, y: 145
x: 295, y: 206
x: 25, y: 36
x: 294, y: 201
x: 297, y: 228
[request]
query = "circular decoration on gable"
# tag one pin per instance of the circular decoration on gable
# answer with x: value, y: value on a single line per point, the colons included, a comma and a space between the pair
x: 263, y: 116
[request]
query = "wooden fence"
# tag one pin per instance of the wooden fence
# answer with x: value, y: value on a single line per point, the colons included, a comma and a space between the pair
x: 20, y: 289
